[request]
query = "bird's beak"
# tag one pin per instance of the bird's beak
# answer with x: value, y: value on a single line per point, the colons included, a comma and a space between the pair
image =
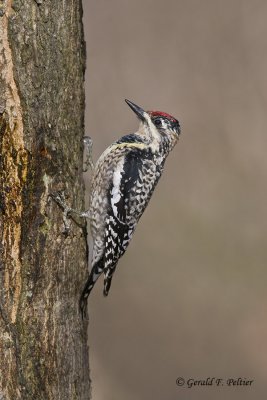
x: 138, y: 110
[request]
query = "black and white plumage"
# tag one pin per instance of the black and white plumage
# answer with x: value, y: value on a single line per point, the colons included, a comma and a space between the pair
x: 124, y: 179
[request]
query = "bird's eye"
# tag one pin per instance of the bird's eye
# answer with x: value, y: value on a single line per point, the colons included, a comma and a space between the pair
x: 157, y: 122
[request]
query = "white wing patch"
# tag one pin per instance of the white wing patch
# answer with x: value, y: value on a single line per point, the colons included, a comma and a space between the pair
x: 116, y: 191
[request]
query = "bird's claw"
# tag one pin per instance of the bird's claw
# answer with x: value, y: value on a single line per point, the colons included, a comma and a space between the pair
x: 60, y: 199
x: 88, y: 159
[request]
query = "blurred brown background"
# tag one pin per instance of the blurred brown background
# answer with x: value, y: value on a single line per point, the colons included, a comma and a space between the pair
x: 189, y: 296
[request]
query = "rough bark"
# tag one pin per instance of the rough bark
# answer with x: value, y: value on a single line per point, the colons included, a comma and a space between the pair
x: 43, y: 349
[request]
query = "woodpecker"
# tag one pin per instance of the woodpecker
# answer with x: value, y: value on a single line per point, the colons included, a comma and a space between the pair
x: 123, y: 181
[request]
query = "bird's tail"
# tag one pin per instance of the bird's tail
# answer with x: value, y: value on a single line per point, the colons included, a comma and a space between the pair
x: 108, y: 274
x: 92, y: 278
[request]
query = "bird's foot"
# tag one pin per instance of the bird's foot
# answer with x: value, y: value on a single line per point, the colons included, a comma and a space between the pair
x: 88, y: 149
x: 60, y: 199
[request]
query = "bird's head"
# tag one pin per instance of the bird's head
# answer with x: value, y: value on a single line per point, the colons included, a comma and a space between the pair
x: 159, y: 124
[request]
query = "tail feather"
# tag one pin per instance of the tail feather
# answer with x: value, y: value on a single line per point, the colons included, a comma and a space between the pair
x: 107, y: 284
x: 92, y: 278
x: 108, y: 273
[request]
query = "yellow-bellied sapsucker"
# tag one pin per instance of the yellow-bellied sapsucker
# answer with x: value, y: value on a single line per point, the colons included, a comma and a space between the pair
x: 124, y: 179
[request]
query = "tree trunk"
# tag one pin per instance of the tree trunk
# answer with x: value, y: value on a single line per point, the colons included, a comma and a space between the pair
x: 43, y: 349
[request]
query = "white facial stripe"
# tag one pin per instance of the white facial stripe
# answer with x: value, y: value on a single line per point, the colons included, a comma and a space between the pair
x: 149, y: 130
x: 163, y: 124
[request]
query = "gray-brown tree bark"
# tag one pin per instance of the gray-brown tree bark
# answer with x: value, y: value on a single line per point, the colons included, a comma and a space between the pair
x: 43, y: 348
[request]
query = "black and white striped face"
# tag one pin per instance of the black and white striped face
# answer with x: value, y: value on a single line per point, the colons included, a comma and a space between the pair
x: 161, y: 123
x: 164, y: 123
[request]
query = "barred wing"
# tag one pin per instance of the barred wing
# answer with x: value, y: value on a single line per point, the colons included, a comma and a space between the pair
x: 134, y: 180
